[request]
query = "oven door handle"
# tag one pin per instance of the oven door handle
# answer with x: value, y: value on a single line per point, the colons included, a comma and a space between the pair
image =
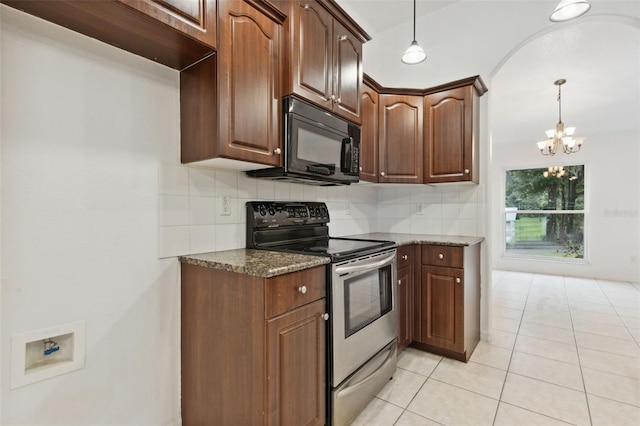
x: 365, y: 266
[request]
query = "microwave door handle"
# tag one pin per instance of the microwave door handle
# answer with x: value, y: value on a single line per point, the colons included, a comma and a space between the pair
x: 357, y: 268
x: 345, y: 155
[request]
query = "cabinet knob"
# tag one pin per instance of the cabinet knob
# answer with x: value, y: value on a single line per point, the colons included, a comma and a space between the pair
x: 458, y: 280
x: 382, y: 174
x: 277, y: 151
x: 360, y: 168
x: 325, y: 316
x: 333, y: 98
x: 405, y: 257
x: 342, y: 38
x: 338, y: 100
x: 302, y: 289
x: 466, y: 171
x: 305, y: 6
x: 399, y: 282
x: 441, y: 256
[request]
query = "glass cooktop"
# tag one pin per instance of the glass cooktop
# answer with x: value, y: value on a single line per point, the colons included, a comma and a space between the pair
x: 336, y: 248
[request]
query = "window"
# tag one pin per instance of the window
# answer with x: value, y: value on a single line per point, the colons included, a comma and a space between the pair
x: 544, y: 212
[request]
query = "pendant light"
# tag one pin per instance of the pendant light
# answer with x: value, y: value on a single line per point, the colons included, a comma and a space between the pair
x: 569, y: 9
x: 414, y: 53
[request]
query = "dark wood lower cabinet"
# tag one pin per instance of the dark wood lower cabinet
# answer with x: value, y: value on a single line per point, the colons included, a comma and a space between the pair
x: 252, y: 348
x: 448, y: 310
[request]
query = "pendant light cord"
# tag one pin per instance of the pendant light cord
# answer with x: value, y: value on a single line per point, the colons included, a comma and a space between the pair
x: 414, y: 20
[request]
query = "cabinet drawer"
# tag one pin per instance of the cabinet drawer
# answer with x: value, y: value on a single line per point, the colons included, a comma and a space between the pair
x: 286, y: 292
x: 442, y: 256
x: 405, y: 256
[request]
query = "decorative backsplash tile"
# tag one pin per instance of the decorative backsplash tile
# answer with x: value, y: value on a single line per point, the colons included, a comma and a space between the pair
x: 203, y: 209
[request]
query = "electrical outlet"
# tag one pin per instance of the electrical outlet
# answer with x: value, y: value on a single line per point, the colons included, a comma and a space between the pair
x: 225, y: 206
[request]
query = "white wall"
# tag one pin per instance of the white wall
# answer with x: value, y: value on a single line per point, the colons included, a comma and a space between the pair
x: 84, y: 127
x: 612, y: 196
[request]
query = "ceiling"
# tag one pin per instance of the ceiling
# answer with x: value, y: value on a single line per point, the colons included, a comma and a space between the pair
x: 519, y: 54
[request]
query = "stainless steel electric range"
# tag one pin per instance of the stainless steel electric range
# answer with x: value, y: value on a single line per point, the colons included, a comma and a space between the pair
x: 361, y: 286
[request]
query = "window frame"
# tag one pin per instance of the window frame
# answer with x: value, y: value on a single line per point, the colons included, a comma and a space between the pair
x: 584, y: 212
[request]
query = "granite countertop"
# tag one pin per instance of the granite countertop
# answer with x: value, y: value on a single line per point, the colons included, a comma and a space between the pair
x: 267, y: 264
x: 407, y: 239
x: 260, y: 263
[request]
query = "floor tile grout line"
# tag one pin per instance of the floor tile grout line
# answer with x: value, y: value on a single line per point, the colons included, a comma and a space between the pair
x: 584, y: 385
x: 504, y: 383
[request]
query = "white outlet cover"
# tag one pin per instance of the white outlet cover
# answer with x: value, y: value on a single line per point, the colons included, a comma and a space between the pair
x: 21, y: 375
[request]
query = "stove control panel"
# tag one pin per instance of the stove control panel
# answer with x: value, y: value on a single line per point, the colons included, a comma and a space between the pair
x: 275, y: 214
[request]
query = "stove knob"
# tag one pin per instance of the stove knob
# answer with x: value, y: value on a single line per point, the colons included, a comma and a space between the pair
x: 272, y: 211
x: 263, y: 211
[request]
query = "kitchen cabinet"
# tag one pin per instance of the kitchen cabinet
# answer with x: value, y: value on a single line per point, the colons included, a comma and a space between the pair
x: 449, y: 316
x: 436, y: 142
x: 253, y: 349
x: 176, y: 33
x: 400, y: 138
x: 325, y: 57
x: 405, y: 300
x: 369, y: 134
x: 230, y: 102
x: 451, y: 134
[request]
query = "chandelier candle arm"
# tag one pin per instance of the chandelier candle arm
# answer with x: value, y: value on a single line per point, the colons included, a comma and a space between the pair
x: 561, y: 136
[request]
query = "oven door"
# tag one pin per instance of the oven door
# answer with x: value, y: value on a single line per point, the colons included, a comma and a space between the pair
x: 363, y: 311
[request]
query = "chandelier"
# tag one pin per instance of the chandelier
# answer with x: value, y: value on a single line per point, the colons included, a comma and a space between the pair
x: 560, y: 136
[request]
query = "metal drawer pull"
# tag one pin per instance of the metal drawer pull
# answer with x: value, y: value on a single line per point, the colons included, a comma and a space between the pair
x: 458, y: 280
x: 325, y: 317
x: 277, y: 151
x: 466, y: 171
x: 399, y: 282
x: 405, y: 257
x: 302, y: 289
x: 441, y: 256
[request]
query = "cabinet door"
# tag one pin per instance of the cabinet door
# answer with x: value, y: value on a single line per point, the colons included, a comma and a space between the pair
x: 296, y: 367
x: 348, y: 73
x: 196, y: 18
x: 449, y: 145
x: 369, y: 135
x: 400, y: 142
x: 312, y: 55
x: 405, y: 307
x: 442, y: 310
x: 249, y: 84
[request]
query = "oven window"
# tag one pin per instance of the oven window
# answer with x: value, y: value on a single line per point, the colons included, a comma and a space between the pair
x: 367, y: 297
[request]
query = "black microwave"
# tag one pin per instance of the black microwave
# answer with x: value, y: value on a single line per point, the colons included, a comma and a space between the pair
x: 320, y: 148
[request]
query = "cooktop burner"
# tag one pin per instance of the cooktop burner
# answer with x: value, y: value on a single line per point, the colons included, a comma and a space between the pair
x: 301, y: 227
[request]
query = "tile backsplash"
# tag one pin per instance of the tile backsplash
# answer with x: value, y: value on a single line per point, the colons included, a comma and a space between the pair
x: 191, y: 218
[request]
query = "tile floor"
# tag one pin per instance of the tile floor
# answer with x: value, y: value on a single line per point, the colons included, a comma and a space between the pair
x: 563, y: 351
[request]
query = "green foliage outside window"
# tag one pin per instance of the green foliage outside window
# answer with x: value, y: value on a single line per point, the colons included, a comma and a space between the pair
x: 544, y: 210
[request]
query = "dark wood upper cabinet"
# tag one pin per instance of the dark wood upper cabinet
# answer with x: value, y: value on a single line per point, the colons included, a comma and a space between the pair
x: 369, y: 134
x: 451, y: 134
x: 230, y: 102
x: 175, y: 33
x: 325, y: 57
x: 400, y: 138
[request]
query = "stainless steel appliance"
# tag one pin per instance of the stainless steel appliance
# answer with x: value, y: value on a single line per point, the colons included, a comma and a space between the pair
x: 362, y: 331
x: 319, y: 148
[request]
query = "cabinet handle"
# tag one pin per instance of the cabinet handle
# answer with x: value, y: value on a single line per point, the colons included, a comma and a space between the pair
x: 277, y: 151
x: 302, y: 289
x: 360, y: 168
x: 325, y: 316
x: 342, y: 38
x: 441, y: 256
x: 405, y: 257
x: 338, y: 100
x: 332, y: 98
x: 466, y: 171
x: 458, y: 280
x: 382, y: 174
x: 305, y: 6
x: 399, y: 282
